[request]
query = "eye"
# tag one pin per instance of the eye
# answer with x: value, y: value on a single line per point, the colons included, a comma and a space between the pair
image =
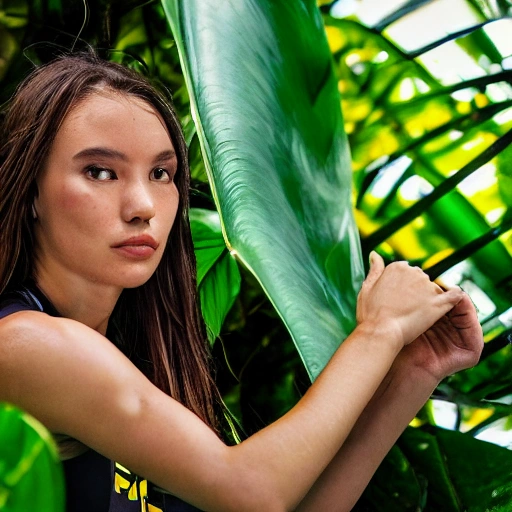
x: 160, y: 174
x: 100, y: 173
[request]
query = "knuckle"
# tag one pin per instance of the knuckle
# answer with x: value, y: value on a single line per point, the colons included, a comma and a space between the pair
x: 398, y: 266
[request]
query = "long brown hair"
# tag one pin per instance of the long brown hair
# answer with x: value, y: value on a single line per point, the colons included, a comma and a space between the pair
x: 159, y: 322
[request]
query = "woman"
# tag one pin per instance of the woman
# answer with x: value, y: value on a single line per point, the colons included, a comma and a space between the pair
x: 101, y: 339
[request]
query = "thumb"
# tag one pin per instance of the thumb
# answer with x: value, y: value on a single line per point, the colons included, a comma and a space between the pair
x: 452, y: 297
x: 376, y: 268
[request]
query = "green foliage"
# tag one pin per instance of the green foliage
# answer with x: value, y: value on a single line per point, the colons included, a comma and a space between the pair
x: 218, y: 277
x: 431, y: 152
x: 415, y: 136
x: 30, y: 473
x: 436, y: 470
x: 277, y: 158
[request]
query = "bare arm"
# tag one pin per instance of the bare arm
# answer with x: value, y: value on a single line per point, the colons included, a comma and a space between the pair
x: 452, y: 344
x: 397, y: 400
x: 78, y: 383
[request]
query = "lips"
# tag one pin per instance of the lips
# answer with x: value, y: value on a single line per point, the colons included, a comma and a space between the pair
x: 138, y: 241
x: 138, y: 247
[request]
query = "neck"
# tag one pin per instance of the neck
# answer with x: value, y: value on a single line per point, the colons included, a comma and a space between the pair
x: 79, y: 299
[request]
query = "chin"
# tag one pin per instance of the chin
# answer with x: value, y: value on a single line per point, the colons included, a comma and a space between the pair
x: 127, y: 274
x: 133, y: 279
x: 134, y: 282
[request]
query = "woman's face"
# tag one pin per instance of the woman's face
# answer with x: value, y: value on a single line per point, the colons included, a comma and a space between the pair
x: 106, y: 197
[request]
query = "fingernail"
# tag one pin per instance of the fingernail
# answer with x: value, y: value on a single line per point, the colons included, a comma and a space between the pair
x: 373, y: 258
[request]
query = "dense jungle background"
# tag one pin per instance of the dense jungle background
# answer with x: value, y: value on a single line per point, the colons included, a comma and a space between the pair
x: 425, y: 91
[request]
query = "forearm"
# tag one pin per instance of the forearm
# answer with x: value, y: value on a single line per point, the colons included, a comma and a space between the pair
x: 297, y: 448
x: 400, y: 396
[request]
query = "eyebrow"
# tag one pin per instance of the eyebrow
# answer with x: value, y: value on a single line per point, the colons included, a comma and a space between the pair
x: 103, y: 152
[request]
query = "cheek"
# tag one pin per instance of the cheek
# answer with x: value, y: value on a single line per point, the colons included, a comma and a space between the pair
x: 168, y: 207
x: 75, y: 208
x: 71, y: 202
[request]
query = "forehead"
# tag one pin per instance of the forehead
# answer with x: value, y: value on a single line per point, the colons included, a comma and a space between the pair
x: 111, y: 118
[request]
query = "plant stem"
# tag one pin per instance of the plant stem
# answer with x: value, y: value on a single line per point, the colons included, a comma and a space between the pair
x: 444, y: 188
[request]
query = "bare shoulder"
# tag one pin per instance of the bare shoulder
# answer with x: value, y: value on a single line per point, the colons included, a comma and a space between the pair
x: 48, y: 365
x: 29, y: 337
x: 33, y: 330
x: 76, y: 382
x: 24, y: 327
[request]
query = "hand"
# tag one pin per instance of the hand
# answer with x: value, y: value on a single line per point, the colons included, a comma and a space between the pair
x: 453, y: 343
x: 401, y: 300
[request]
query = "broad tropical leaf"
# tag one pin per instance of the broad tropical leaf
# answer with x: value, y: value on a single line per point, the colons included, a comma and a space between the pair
x: 267, y: 113
x: 30, y: 473
x: 456, y: 484
x: 218, y: 277
x: 436, y: 470
x: 395, y: 486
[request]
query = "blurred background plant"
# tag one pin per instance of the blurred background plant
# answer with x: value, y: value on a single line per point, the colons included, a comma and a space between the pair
x: 427, y: 103
x: 31, y: 476
x: 427, y: 99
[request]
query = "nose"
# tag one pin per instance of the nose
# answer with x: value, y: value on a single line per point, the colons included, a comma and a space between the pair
x: 138, y: 203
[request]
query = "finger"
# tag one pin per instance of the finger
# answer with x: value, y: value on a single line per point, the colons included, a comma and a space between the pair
x: 451, y: 298
x: 464, y: 314
x: 376, y: 269
x: 439, y: 289
x: 464, y: 306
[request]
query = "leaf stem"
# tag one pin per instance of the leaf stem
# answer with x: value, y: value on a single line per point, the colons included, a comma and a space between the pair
x: 405, y: 9
x: 480, y: 82
x: 448, y: 185
x: 478, y: 116
x: 469, y: 249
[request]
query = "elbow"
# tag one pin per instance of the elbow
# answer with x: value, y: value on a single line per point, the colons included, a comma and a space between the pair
x: 247, y: 486
x: 275, y: 504
x: 247, y: 503
x: 254, y: 498
x: 259, y: 503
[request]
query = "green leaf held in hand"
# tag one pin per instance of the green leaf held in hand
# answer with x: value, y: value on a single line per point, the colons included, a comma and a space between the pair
x: 266, y: 106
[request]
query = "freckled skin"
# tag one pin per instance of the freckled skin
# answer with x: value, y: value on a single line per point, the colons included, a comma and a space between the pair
x: 80, y: 218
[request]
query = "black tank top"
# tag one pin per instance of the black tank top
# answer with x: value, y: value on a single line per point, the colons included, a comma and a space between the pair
x: 93, y: 482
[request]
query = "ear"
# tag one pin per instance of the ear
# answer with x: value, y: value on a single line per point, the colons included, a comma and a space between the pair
x: 34, y: 207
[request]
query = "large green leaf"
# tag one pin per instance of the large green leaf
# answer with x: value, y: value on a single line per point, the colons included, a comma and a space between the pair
x: 266, y: 107
x: 395, y: 487
x: 463, y: 473
x: 218, y: 277
x: 30, y: 473
x: 437, y: 470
